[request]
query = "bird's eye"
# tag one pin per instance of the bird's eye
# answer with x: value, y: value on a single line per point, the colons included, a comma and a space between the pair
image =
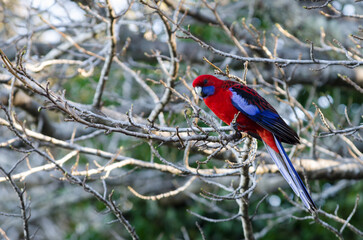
x: 205, y: 81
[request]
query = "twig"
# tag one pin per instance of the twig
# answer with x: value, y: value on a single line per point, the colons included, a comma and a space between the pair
x: 214, y: 220
x: 3, y: 233
x: 173, y: 72
x: 110, y: 55
x: 164, y: 195
x: 25, y: 211
x: 280, y: 61
x: 320, y: 6
x: 346, y: 131
x: 350, y: 215
x: 327, y: 226
x: 349, y: 81
x: 200, y: 230
x: 340, y: 220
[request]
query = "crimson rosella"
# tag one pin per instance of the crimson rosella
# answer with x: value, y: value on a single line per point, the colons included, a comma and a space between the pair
x: 254, y: 115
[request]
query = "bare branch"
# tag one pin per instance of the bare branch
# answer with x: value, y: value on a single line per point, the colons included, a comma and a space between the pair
x: 164, y: 195
x: 110, y: 55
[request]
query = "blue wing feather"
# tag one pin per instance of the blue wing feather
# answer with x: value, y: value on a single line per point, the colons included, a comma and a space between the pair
x: 255, y: 107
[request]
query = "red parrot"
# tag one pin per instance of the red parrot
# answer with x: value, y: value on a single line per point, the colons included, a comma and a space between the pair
x: 256, y: 117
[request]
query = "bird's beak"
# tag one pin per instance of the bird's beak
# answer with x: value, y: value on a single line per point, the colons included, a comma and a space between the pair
x: 198, y: 90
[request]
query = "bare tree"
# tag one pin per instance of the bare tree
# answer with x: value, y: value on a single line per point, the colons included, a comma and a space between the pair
x: 97, y: 107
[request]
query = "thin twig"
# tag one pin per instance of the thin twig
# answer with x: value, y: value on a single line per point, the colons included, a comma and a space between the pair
x: 110, y: 55
x: 164, y: 195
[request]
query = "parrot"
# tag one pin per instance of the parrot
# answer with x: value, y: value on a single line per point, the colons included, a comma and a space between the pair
x: 245, y: 110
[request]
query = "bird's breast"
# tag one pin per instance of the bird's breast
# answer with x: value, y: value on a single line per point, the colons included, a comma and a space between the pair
x: 220, y: 103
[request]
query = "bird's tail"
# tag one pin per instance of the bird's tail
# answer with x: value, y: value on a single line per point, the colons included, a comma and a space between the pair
x: 289, y: 173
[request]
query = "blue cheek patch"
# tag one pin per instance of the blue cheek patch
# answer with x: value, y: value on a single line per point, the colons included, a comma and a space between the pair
x: 208, y: 90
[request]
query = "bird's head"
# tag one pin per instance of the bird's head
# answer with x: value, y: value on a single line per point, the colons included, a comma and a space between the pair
x: 206, y: 85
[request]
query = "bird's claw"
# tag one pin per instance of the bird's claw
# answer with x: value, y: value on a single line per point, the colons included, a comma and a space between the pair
x: 237, y: 134
x: 234, y: 125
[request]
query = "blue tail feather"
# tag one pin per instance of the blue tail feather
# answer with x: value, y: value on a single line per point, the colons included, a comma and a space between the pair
x: 288, y: 171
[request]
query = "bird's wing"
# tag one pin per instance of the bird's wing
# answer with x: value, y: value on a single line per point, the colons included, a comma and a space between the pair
x: 255, y: 107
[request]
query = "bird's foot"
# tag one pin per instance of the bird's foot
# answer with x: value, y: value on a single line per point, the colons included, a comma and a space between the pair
x: 234, y: 125
x: 237, y: 134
